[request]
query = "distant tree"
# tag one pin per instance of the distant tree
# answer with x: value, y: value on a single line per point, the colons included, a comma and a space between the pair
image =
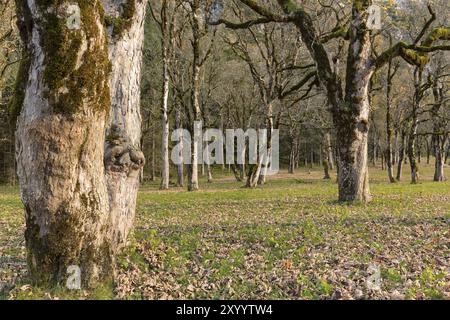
x: 350, y: 105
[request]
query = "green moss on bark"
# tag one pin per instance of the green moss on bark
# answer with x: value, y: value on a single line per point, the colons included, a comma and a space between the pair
x: 414, y: 58
x: 123, y: 23
x: 74, y: 81
x: 437, y: 34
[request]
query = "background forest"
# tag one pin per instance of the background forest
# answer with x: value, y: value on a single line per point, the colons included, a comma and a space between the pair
x: 245, y: 234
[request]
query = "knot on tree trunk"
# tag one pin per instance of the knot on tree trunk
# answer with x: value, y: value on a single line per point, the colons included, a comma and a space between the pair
x: 120, y: 154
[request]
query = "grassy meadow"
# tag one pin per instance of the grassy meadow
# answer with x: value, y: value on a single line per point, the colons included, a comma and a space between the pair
x: 289, y: 239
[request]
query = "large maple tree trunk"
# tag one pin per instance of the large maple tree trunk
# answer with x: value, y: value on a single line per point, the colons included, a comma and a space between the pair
x: 350, y: 112
x: 351, y: 118
x: 59, y: 154
x: 79, y: 191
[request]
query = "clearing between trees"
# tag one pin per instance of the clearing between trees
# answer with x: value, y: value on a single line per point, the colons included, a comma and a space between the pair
x: 288, y: 239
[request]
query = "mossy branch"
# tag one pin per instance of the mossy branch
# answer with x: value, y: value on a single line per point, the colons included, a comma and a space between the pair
x: 414, y: 54
x: 337, y: 32
x: 243, y: 25
x: 265, y: 12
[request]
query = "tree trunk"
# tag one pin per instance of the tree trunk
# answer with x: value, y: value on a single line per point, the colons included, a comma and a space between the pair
x: 329, y: 154
x: 325, y: 160
x: 401, y: 155
x: 253, y: 174
x: 209, y: 173
x: 412, y: 138
x: 123, y: 156
x: 389, y: 165
x: 59, y: 142
x: 180, y: 167
x: 412, y: 152
x: 266, y: 160
x: 195, y: 95
x: 153, y: 170
x: 438, y: 166
x: 165, y: 165
x: 351, y: 118
x: 291, y: 168
x: 439, y: 138
x: 395, y: 153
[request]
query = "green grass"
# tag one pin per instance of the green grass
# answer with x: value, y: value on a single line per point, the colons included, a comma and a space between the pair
x: 289, y: 239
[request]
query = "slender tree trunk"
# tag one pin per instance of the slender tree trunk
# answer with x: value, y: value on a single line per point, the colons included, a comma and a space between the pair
x: 401, y: 155
x: 180, y: 167
x: 59, y: 142
x: 389, y: 165
x: 412, y: 152
x: 193, y: 167
x: 269, y: 128
x: 242, y: 166
x: 153, y: 170
x: 165, y: 165
x: 412, y: 138
x: 447, y: 151
x: 439, y: 164
x: 329, y: 150
x: 419, y: 152
x: 195, y: 95
x: 291, y: 168
x: 395, y: 153
x: 439, y: 138
x: 209, y: 173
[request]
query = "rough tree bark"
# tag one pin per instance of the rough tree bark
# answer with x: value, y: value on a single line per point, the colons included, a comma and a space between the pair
x: 352, y: 115
x: 78, y: 213
x: 59, y: 154
x: 329, y: 150
x: 123, y: 156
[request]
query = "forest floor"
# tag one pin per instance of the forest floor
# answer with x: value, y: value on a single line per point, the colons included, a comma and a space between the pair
x: 289, y: 239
